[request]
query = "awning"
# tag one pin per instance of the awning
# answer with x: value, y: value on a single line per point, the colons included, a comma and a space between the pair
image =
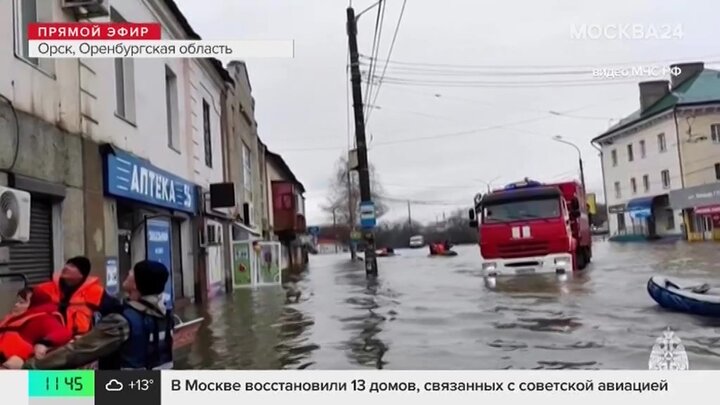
x: 641, y: 207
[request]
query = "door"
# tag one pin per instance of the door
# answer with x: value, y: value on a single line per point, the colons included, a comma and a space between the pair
x: 268, y: 263
x: 707, y: 227
x: 124, y: 253
x: 177, y: 267
x: 244, y: 272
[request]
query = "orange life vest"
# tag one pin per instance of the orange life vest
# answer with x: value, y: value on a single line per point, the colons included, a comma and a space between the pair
x: 81, y: 306
x: 11, y: 343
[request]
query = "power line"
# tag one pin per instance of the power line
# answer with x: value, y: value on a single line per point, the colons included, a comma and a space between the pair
x: 392, y: 46
x: 525, y: 66
x: 375, y: 49
x: 504, y: 84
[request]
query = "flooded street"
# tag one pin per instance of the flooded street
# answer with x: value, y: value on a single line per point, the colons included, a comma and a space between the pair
x: 437, y: 313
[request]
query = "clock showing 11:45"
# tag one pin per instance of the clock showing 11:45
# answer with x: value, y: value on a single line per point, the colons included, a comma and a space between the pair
x: 75, y: 383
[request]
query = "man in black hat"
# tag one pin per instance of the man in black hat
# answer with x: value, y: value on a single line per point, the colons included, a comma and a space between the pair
x: 136, y: 337
x: 78, y: 295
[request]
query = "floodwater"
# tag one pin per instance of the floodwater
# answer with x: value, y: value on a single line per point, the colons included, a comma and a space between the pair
x: 437, y: 313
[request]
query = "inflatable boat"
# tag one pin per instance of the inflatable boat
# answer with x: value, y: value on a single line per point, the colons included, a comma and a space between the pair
x: 676, y: 295
x: 447, y: 253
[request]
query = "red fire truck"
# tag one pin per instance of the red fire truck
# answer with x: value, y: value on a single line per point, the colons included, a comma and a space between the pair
x: 529, y: 228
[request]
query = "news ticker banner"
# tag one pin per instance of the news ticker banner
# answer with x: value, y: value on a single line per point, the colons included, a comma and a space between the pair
x: 354, y: 387
x: 140, y: 40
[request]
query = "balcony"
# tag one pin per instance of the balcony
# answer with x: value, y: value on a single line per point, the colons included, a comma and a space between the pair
x: 288, y: 218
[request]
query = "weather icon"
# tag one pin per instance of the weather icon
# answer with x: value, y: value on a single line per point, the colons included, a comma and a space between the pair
x: 113, y: 386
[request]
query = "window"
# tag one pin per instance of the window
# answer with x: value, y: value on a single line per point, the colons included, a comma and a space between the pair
x: 662, y: 146
x: 646, y: 183
x: 613, y: 155
x: 665, y: 175
x: 617, y: 189
x: 631, y: 157
x: 247, y: 172
x: 643, y: 153
x: 621, y: 222
x: 207, y: 136
x: 507, y: 211
x: 124, y: 80
x: 171, y: 106
x: 28, y: 12
x: 670, y: 225
x: 715, y: 133
x: 717, y: 171
x: 633, y: 185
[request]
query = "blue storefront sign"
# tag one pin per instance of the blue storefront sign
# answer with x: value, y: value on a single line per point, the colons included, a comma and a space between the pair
x: 158, y: 248
x: 136, y: 179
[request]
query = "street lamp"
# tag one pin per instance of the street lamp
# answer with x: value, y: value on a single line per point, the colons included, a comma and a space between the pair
x: 560, y: 139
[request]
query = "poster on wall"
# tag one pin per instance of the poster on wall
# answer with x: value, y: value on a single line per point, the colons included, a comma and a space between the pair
x: 269, y: 263
x: 112, y: 282
x: 157, y: 237
x: 242, y: 264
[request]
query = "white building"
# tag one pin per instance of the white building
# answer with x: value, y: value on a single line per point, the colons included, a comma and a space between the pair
x: 119, y: 153
x: 642, y: 162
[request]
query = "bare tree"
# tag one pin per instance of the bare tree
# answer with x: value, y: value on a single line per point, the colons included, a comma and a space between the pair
x: 345, y: 193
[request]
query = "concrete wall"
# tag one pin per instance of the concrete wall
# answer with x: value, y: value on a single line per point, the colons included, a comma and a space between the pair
x: 699, y: 155
x: 652, y: 165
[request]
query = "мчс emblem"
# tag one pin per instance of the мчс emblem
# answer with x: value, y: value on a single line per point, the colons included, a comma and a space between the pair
x: 668, y: 353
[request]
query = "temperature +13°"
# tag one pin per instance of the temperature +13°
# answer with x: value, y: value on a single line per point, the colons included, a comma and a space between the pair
x: 142, y: 384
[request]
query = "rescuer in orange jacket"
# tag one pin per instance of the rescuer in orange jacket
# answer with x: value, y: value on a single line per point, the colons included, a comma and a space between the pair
x: 78, y: 295
x: 34, y: 331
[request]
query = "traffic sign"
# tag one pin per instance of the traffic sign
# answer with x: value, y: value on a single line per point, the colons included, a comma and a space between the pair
x: 314, y: 230
x: 367, y: 215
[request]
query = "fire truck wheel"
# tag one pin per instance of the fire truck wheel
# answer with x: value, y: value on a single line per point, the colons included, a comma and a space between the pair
x: 581, y: 258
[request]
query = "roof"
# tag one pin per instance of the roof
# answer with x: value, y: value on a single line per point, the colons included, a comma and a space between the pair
x: 703, y: 88
x: 175, y: 10
x: 278, y: 160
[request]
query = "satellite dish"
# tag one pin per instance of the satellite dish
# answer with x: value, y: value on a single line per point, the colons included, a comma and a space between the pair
x: 9, y: 215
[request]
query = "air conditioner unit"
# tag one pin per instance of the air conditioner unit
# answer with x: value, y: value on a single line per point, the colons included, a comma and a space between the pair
x: 87, y: 8
x: 14, y: 216
x: 249, y: 214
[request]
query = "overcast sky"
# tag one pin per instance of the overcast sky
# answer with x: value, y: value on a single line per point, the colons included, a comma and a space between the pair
x: 302, y: 102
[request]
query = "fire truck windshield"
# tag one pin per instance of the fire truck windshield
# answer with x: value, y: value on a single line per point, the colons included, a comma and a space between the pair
x: 507, y: 211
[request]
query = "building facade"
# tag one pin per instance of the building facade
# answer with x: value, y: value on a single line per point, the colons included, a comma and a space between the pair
x: 287, y: 210
x: 654, y: 154
x: 111, y: 179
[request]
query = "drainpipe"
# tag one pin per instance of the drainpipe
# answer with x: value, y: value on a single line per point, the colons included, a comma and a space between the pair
x: 685, y: 213
x: 602, y: 168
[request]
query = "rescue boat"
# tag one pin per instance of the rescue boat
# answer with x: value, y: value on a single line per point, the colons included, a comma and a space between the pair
x: 676, y: 295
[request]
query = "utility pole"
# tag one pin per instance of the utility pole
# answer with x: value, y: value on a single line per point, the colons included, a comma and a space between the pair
x: 409, y: 216
x: 335, y: 233
x: 351, y: 216
x: 363, y: 168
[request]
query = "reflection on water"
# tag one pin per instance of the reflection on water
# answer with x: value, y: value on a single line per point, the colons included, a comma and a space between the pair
x: 440, y: 314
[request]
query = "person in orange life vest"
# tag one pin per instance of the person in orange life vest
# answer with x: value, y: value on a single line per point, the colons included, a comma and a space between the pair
x: 34, y: 331
x: 78, y: 295
x: 22, y: 301
x: 439, y: 248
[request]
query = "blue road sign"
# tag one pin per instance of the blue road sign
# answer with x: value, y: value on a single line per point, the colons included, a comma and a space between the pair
x: 367, y: 215
x: 314, y: 230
